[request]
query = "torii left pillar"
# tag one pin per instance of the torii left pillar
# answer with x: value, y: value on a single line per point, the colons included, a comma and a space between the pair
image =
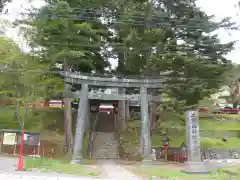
x: 80, y: 127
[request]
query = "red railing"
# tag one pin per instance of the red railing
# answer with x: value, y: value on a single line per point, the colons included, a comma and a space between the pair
x: 44, y: 104
x: 230, y: 109
x: 225, y: 110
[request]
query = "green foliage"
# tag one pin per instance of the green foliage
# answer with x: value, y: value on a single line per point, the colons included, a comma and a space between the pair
x: 67, y: 41
x: 46, y: 119
x: 8, y: 121
x: 232, y: 74
x: 15, y: 80
x: 131, y: 141
x: 144, y: 37
x: 171, y: 121
x: 17, y: 83
x: 170, y: 38
x: 177, y: 133
x: 150, y: 37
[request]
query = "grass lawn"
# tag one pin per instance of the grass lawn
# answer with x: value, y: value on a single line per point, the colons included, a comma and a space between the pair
x: 204, y: 124
x: 216, y: 125
x: 174, y: 173
x: 131, y: 142
x: 131, y: 138
x: 176, y: 141
x: 47, y: 165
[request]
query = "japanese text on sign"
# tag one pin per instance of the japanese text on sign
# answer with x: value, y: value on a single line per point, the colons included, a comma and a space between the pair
x: 194, y: 124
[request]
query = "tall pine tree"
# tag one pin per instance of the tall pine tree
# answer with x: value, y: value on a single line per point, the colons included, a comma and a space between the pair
x: 67, y: 38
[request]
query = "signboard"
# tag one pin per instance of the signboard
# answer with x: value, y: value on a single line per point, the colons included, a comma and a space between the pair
x: 25, y: 137
x: 193, y: 136
x: 9, y: 138
x: 30, y: 139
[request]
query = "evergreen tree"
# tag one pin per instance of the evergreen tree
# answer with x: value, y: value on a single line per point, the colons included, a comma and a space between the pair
x: 168, y: 39
x: 173, y: 38
x: 67, y: 39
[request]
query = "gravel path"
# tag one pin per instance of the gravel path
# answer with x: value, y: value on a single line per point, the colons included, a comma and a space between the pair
x: 8, y: 164
x: 8, y: 171
x: 216, y: 164
x: 112, y: 169
x: 40, y: 176
x: 116, y: 171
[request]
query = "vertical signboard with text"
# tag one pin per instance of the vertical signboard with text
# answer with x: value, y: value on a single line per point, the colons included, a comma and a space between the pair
x: 193, y: 136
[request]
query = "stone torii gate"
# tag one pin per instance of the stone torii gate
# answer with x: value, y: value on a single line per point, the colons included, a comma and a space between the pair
x: 111, y: 82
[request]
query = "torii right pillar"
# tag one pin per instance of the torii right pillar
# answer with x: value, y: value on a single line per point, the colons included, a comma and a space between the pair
x: 145, y: 140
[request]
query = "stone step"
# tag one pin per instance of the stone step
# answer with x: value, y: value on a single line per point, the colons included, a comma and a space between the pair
x: 105, y: 146
x: 104, y: 138
x: 97, y: 144
x: 105, y: 155
x: 104, y: 133
x: 100, y: 157
x: 106, y: 150
x: 103, y: 150
x: 105, y: 141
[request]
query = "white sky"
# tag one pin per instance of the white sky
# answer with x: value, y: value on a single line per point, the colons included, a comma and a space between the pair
x: 219, y: 8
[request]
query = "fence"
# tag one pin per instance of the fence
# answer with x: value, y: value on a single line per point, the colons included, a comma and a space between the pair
x: 179, y: 154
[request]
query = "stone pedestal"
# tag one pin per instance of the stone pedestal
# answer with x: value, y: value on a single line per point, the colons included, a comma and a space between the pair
x: 147, y: 160
x: 195, y: 168
x: 76, y: 161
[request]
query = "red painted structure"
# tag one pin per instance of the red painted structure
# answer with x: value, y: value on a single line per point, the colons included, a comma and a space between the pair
x: 20, y: 161
x: 221, y: 110
x: 43, y: 104
x: 106, y: 108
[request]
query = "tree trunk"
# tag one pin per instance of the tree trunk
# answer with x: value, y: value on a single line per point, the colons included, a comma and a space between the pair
x: 67, y: 118
x: 68, y: 125
x: 153, y: 115
x: 127, y: 110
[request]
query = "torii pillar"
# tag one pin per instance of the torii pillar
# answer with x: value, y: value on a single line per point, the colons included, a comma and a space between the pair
x: 82, y: 116
x: 145, y: 141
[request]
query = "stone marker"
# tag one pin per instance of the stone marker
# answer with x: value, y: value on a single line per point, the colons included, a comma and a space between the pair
x: 194, y: 163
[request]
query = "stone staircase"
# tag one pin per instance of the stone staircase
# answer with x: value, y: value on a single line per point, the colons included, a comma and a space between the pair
x: 105, y: 145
